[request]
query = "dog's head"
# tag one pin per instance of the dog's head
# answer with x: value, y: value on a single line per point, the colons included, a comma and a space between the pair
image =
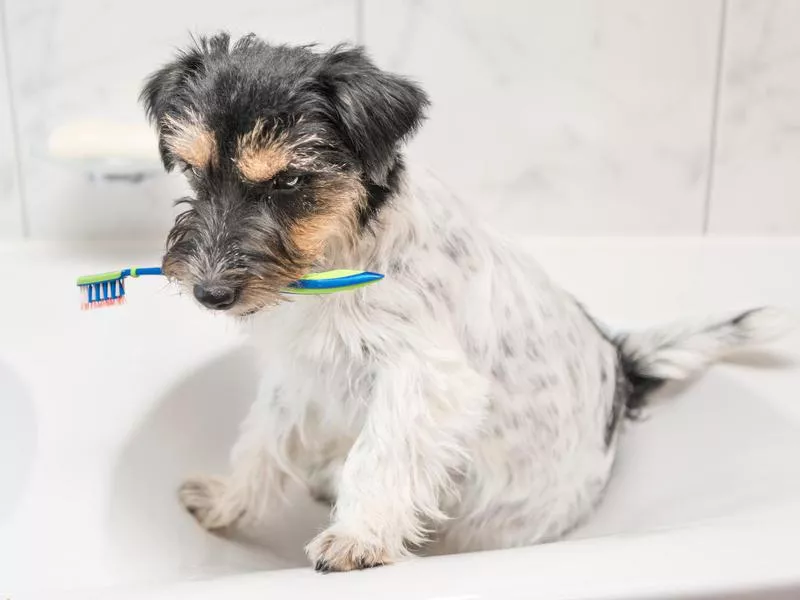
x: 289, y: 152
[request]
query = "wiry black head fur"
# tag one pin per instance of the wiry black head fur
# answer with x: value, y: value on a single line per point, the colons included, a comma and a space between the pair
x: 283, y: 146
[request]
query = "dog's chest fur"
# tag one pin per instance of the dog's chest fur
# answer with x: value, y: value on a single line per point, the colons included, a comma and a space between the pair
x: 549, y: 373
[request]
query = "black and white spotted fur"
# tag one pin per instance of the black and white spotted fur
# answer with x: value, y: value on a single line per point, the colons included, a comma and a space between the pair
x: 465, y: 399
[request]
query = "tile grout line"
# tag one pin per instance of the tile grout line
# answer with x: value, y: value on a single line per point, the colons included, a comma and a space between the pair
x: 716, y: 98
x: 15, y: 131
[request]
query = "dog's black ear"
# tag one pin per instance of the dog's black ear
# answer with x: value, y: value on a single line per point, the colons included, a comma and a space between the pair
x: 375, y: 110
x: 165, y: 90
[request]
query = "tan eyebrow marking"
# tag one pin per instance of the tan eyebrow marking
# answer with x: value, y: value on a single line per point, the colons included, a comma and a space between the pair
x: 262, y: 162
x: 190, y: 140
x: 262, y: 153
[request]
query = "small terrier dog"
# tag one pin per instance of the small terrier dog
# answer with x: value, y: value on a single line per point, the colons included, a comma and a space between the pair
x: 465, y: 399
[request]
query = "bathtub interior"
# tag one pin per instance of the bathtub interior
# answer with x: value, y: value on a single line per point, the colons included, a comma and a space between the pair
x: 103, y: 413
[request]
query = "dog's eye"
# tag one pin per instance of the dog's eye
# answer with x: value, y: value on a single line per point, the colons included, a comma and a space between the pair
x: 286, y: 182
x: 190, y: 170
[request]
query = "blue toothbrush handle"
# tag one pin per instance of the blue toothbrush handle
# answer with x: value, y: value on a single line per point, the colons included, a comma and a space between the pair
x: 352, y: 280
x: 356, y: 279
x: 136, y: 271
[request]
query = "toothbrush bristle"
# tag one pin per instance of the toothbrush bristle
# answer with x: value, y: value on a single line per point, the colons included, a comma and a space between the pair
x: 102, y: 303
x: 105, y: 293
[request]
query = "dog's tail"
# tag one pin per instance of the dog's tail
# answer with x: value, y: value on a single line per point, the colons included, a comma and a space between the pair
x: 649, y: 358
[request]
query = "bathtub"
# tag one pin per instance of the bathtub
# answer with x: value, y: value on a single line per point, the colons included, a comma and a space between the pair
x: 102, y: 414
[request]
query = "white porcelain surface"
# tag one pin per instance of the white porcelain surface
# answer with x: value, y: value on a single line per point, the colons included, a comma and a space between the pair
x: 568, y: 117
x: 757, y: 180
x: 10, y: 213
x: 104, y: 412
x: 87, y: 60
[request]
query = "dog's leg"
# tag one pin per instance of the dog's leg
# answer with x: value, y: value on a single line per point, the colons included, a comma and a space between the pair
x: 259, y: 464
x: 425, y: 406
x: 218, y: 502
x: 208, y: 500
x: 323, y: 480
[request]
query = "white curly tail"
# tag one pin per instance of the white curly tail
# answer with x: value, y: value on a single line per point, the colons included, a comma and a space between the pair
x: 678, y: 351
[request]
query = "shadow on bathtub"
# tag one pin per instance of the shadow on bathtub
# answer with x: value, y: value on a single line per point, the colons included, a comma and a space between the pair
x: 190, y: 431
x: 717, y: 449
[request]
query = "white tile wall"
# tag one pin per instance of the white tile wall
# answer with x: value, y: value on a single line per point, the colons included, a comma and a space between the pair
x: 10, y: 203
x: 88, y: 59
x: 756, y: 186
x: 550, y: 116
x: 574, y: 117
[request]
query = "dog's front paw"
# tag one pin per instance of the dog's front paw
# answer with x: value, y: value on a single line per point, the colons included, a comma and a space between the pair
x: 207, y: 500
x: 337, y: 549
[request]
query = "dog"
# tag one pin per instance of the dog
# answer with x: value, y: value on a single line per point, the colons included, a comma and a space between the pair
x: 465, y: 399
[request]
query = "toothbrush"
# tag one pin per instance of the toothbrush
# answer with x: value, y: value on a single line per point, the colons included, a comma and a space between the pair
x: 107, y: 289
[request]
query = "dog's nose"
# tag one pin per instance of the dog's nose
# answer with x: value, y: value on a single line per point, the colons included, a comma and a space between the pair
x: 216, y: 297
